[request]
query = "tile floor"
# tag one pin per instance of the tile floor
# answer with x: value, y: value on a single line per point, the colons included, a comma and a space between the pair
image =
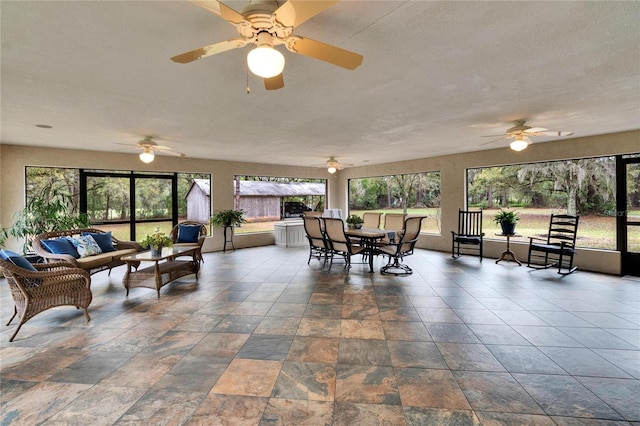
x: 262, y: 338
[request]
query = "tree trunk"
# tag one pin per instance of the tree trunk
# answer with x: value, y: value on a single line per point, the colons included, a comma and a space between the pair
x: 571, y: 200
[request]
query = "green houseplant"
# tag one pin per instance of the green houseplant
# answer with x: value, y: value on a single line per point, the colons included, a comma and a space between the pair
x: 49, y: 210
x: 156, y: 241
x: 507, y: 220
x: 354, y: 221
x: 228, y: 218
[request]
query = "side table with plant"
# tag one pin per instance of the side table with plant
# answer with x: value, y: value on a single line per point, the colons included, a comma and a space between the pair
x: 228, y: 218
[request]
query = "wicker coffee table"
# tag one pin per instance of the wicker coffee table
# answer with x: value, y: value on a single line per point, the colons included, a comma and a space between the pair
x: 165, y: 268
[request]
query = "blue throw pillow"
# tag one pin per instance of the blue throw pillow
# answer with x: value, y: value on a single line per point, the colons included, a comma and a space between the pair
x: 22, y: 262
x: 104, y: 240
x: 188, y: 233
x: 60, y: 246
x: 6, y: 254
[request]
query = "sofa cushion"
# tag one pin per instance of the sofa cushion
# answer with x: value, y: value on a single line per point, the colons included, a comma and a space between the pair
x: 60, y: 246
x: 103, y: 239
x: 95, y: 261
x: 188, y: 233
x: 86, y: 246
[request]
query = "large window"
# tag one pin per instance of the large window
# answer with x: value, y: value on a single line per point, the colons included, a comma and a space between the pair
x: 415, y: 194
x: 268, y: 199
x: 130, y: 204
x: 585, y: 187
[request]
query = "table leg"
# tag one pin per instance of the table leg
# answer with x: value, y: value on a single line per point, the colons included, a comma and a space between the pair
x: 509, y: 255
x: 125, y: 280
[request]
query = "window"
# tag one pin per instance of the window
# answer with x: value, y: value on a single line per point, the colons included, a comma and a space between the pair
x: 415, y: 194
x: 130, y: 204
x: 267, y: 200
x: 583, y: 186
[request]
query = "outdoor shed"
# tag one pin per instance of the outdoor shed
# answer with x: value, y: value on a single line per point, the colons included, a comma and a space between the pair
x: 263, y: 201
x: 199, y: 201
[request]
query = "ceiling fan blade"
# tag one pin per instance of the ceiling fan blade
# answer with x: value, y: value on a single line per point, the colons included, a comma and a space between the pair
x: 161, y: 148
x: 212, y: 49
x: 535, y: 130
x: 496, y: 140
x: 295, y: 12
x: 274, y: 83
x: 222, y: 10
x: 493, y: 136
x: 177, y: 154
x: 553, y: 133
x: 324, y: 52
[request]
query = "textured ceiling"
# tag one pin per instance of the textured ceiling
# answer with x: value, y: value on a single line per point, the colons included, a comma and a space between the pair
x: 436, y: 76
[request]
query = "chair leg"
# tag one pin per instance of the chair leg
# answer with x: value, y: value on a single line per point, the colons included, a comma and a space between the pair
x: 16, y: 332
x: 15, y: 312
x: 86, y: 314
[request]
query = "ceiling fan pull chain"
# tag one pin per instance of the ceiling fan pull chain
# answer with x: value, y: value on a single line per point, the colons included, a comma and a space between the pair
x: 248, y: 88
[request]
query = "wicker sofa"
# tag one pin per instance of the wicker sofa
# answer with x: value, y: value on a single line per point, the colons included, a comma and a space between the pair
x: 106, y: 260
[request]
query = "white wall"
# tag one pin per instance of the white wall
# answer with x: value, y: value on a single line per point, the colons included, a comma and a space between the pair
x: 13, y: 160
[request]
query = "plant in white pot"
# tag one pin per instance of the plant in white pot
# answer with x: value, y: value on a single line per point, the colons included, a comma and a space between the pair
x: 354, y: 221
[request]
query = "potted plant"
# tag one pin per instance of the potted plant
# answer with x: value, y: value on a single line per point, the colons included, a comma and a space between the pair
x: 156, y: 242
x: 354, y: 221
x: 507, y: 220
x: 228, y: 218
x: 49, y: 210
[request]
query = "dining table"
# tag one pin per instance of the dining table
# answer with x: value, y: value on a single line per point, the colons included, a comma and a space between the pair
x: 369, y: 238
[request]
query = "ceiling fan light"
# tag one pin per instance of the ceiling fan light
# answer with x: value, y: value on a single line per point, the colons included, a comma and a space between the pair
x: 265, y: 61
x: 147, y: 156
x: 520, y: 143
x: 331, y: 169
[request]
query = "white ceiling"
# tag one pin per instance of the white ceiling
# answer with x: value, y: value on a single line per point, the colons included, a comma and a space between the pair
x: 436, y: 76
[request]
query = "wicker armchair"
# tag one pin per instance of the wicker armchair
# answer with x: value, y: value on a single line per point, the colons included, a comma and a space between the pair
x: 52, y: 285
x: 174, y: 235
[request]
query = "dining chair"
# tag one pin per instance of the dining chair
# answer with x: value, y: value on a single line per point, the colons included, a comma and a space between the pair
x: 393, y: 224
x: 371, y: 220
x: 397, y: 251
x: 318, y: 244
x: 339, y: 243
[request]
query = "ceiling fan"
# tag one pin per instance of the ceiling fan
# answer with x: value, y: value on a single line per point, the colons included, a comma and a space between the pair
x: 149, y: 147
x: 333, y: 165
x: 267, y: 24
x: 521, y: 133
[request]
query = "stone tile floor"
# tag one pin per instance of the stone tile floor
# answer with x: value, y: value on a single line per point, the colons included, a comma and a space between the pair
x: 262, y: 338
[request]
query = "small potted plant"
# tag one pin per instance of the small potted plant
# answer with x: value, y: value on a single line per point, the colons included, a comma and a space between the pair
x: 354, y: 221
x: 507, y: 219
x: 228, y: 218
x: 156, y: 242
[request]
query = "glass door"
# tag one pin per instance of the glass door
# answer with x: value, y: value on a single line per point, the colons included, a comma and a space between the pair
x: 629, y: 215
x: 108, y: 204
